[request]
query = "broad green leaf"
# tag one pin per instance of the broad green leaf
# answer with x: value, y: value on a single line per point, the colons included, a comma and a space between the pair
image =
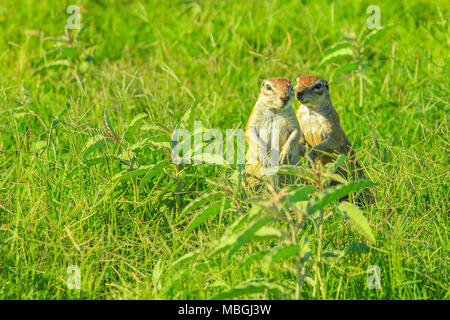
x: 373, y: 35
x: 249, y: 233
x: 94, y: 161
x: 200, y: 201
x: 236, y: 225
x: 340, y: 52
x: 63, y: 62
x: 267, y: 233
x: 302, y: 194
x: 160, y: 138
x: 249, y: 288
x: 345, y: 69
x: 140, y: 144
x: 254, y: 258
x: 153, y: 171
x: 61, y: 52
x: 207, y: 213
x: 336, y: 47
x: 129, y: 174
x: 131, y: 130
x: 279, y: 253
x: 186, y: 119
x: 341, y: 159
x: 255, y: 211
x: 356, y: 218
x: 94, y: 143
x: 186, y: 258
x: 332, y: 194
x: 38, y: 146
x: 154, y: 127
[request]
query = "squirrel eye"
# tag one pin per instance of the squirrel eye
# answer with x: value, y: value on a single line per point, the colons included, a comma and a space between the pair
x: 317, y: 86
x: 268, y: 87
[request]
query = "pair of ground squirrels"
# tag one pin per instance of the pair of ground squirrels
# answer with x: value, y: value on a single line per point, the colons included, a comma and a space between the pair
x: 316, y: 124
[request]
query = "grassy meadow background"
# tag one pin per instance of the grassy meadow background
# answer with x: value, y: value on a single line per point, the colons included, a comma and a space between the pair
x: 66, y: 199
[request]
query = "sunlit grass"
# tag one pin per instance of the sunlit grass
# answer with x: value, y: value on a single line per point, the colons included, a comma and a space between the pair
x: 163, y: 57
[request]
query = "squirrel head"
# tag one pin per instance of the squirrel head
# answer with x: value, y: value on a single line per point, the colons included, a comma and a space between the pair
x: 276, y: 93
x: 312, y: 91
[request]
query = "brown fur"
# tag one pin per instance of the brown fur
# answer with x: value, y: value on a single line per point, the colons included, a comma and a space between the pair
x: 274, y: 107
x: 320, y: 124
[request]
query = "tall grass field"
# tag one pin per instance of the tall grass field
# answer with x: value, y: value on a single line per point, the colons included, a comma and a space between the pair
x: 93, y: 207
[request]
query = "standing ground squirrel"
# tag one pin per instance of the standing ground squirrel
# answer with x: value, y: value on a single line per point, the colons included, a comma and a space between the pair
x: 320, y: 123
x: 273, y: 116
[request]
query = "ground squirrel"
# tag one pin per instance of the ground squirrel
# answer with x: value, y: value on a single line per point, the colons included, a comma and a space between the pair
x: 320, y: 124
x: 273, y: 116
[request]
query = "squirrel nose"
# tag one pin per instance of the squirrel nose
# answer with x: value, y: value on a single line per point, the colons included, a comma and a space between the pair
x: 285, y: 99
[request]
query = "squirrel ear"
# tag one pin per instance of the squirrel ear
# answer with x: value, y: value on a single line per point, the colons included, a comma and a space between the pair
x: 262, y: 83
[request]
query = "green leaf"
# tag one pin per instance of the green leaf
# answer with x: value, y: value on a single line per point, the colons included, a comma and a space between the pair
x: 185, y: 258
x: 94, y: 143
x: 279, y: 253
x: 38, y: 146
x: 61, y: 52
x: 334, y: 193
x: 207, y: 213
x: 332, y: 256
x: 251, y: 287
x: 108, y: 123
x: 63, y: 62
x: 356, y: 218
x: 161, y: 141
x: 186, y: 119
x: 153, y: 171
x: 302, y: 194
x: 345, y: 69
x: 254, y: 257
x: 373, y: 35
x: 342, y: 158
x: 336, y: 47
x: 131, y: 130
x: 255, y: 212
x: 340, y: 52
x: 249, y: 233
x: 267, y: 233
x: 94, y: 161
x: 129, y: 174
x: 305, y: 250
x: 198, y: 202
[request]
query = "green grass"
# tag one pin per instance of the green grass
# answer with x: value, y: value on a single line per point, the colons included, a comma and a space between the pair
x: 160, y: 58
